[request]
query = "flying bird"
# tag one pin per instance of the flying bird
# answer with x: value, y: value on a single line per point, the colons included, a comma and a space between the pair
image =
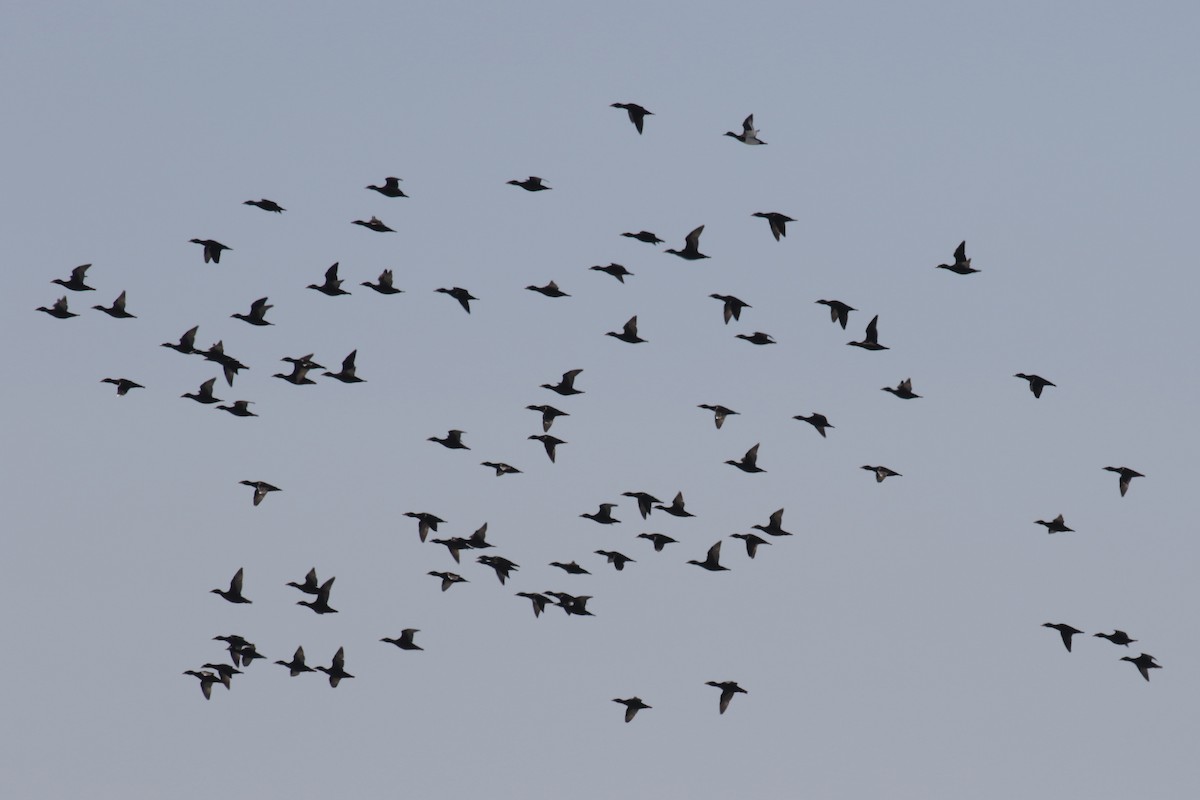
x: 728, y: 689
x: 224, y: 672
x: 234, y: 593
x: 1144, y: 663
x: 549, y: 442
x: 384, y: 286
x: 321, y: 604
x: 204, y: 394
x: 691, y: 246
x: 501, y: 468
x: 1064, y: 630
x: 567, y: 385
x: 758, y: 337
x: 749, y: 134
x: 571, y: 568
x: 1056, y: 525
x: 530, y: 184
x: 733, y: 306
x: 258, y: 313
x: 637, y: 114
x: 659, y: 540
x: 962, y: 264
x: 549, y: 414
x: 425, y: 522
x: 903, y: 390
x: 347, y: 373
x: 117, y: 310
x: 711, y: 562
x: 818, y: 421
x: 212, y: 249
x: 1127, y: 475
x: 603, y: 515
x: 123, y: 385
x: 76, y: 282
x: 59, y: 309
x: 261, y: 489
x: 453, y: 440
x: 187, y: 343
x: 1117, y: 637
x: 310, y: 586
x: 777, y: 221
x: 539, y: 601
x: 337, y: 670
x: 390, y: 188
x: 463, y: 297
x: 632, y: 704
x: 871, y: 337
x: 405, y: 641
x: 265, y: 205
x: 500, y: 564
x: 228, y: 363
x: 207, y: 679
x: 296, y: 665
x: 549, y: 290
x: 748, y: 462
x: 1036, y: 383
x: 752, y: 540
x: 332, y: 285
x: 449, y: 579
x: 881, y: 473
x: 676, y: 508
x: 839, y: 312
x: 644, y: 236
x: 629, y: 333
x: 644, y: 501
x: 374, y: 224
x: 240, y: 408
x: 616, y: 270
x: 774, y: 526
x: 618, y: 560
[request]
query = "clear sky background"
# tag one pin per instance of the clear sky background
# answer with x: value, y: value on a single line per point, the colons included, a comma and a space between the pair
x: 891, y: 648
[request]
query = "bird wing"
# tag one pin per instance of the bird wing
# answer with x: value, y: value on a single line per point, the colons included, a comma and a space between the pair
x: 692, y: 240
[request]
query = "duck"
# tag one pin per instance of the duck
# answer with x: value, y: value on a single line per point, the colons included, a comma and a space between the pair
x: 337, y: 670
x: 453, y: 440
x: 500, y: 564
x: 748, y: 462
x: 777, y: 221
x: 549, y: 442
x: 691, y: 246
x: 549, y: 414
x: 530, y: 184
x: 1036, y: 383
x: 1056, y: 525
x: 1144, y: 663
x: 224, y: 672
x: 752, y: 540
x: 247, y: 653
x: 774, y: 526
x: 212, y: 249
x: 117, y: 310
x: 603, y: 515
x: 618, y: 560
x: 1064, y: 630
x: 478, y: 539
x: 240, y: 408
x: 571, y: 568
x: 629, y: 333
x: 758, y: 337
x: 501, y: 468
x: 235, y: 645
x: 299, y: 374
x: 818, y: 421
x: 303, y: 361
x: 207, y: 679
x: 204, y: 394
x: 903, y: 390
x: 749, y: 134
x: 405, y: 640
x: 962, y: 264
x: 390, y: 188
x: 261, y: 489
x: 234, y: 593
x: 347, y: 373
x: 186, y: 344
x: 616, y: 270
x: 839, y: 312
x: 321, y: 604
x: 455, y: 545
x: 567, y: 385
x: 310, y: 585
x: 1127, y: 475
x: 539, y: 601
x: 463, y: 297
x: 676, y: 508
x: 59, y: 309
x: 1117, y: 637
x: 659, y: 540
x: 728, y: 690
x: 258, y: 313
x: 733, y: 306
x: 229, y: 364
x: 881, y: 472
x: 448, y: 579
x: 871, y: 337
x: 632, y: 704
x: 712, y: 561
x: 426, y: 522
x: 384, y: 285
x: 373, y: 224
x: 549, y: 290
x: 644, y: 502
x: 332, y: 286
x: 296, y: 665
x: 644, y: 236
x: 571, y: 604
x: 637, y: 114
x: 76, y: 282
x: 265, y: 205
x: 123, y: 385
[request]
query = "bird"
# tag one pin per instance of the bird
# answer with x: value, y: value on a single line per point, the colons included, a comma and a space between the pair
x: 637, y: 114
x: 453, y: 440
x: 321, y: 604
x: 749, y: 134
x: 818, y: 421
x: 59, y: 309
x: 567, y: 385
x: 571, y: 568
x: 346, y: 374
x: 752, y: 540
x: 962, y: 264
x: 1144, y: 663
x: 384, y: 286
x: 644, y: 236
x: 748, y: 462
x: 539, y: 601
x: 659, y: 540
x: 572, y: 604
x: 296, y: 665
x: 186, y: 344
x: 881, y: 472
x: 303, y: 361
x: 337, y: 670
x: 240, y: 408
x: 463, y: 297
x: 299, y: 374
x: 903, y: 390
x: 207, y: 679
x: 212, y: 249
x: 310, y: 585
x: 1127, y: 475
x: 204, y: 394
x: 549, y: 442
x: 1064, y: 630
x: 549, y: 414
x: 632, y: 704
x: 777, y: 221
x: 839, y: 312
x: 247, y: 653
x: 676, y: 508
x: 224, y: 672
x: 229, y: 364
x: 76, y: 282
x: 758, y: 337
x: 618, y: 560
x: 123, y: 385
x: 628, y: 333
x: 235, y: 644
x: 258, y: 313
x: 691, y: 246
x: 265, y: 205
x: 373, y: 224
x: 501, y: 468
x: 712, y: 561
x: 261, y: 489
x: 871, y: 337
x: 117, y: 310
x: 733, y: 306
x: 644, y: 501
x: 603, y: 515
x: 390, y: 188
x: 616, y: 270
x: 728, y: 690
x: 425, y: 522
x: 550, y: 290
x: 454, y: 545
x: 1056, y: 525
x: 332, y: 285
x: 1036, y: 383
x: 500, y: 564
x: 449, y: 579
x: 774, y: 526
x: 530, y: 184
x: 234, y: 593
x: 1118, y: 637
x: 405, y: 642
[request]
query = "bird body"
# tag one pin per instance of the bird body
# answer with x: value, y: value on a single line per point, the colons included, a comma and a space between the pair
x: 691, y: 246
x: 531, y: 184
x: 644, y: 236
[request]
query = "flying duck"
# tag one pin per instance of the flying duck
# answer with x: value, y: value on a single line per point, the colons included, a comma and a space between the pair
x: 539, y: 601
x: 299, y: 374
x: 448, y: 579
x: 676, y: 508
x: 224, y: 672
x: 628, y: 333
x: 1056, y: 525
x: 337, y: 670
x: 530, y: 184
x: 644, y: 501
x: 500, y: 564
x: 332, y: 285
x: 549, y: 442
x: 774, y: 526
x: 1117, y: 637
x: 616, y: 270
x: 240, y: 408
x: 501, y: 468
x: 733, y: 306
x: 777, y: 221
x: 839, y: 312
x: 463, y: 297
x: 187, y: 343
x: 749, y: 134
x: 297, y: 665
x: 962, y: 264
x: 453, y: 440
x: 1127, y: 475
x: 758, y: 337
x: 618, y: 560
x: 204, y: 394
x: 123, y: 385
x: 881, y: 472
x: 425, y: 522
x: 1036, y: 383
x: 234, y: 593
x: 567, y: 385
x: 346, y: 374
x: 1064, y: 630
x: 550, y: 290
x: 258, y: 313
x: 405, y: 642
x: 644, y: 236
x: 603, y: 515
x: 212, y: 249
x: 659, y: 540
x: 374, y: 224
x: 748, y: 462
x: 818, y: 421
x: 571, y: 569
x: 903, y: 390
x: 691, y: 246
x: 261, y: 489
x: 117, y: 310
x: 59, y: 309
x: 637, y: 114
x: 384, y: 286
x: 1144, y: 663
x: 321, y: 604
x: 310, y: 585
x: 76, y: 282
x: 711, y: 562
x: 632, y: 704
x: 390, y: 188
x: 752, y: 540
x: 728, y: 689
x: 207, y: 679
x: 549, y: 414
x: 871, y: 337
x: 265, y: 205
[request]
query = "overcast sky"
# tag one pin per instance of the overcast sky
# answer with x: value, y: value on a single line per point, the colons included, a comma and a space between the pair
x: 892, y: 647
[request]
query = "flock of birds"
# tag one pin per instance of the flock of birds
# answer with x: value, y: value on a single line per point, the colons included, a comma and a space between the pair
x: 243, y: 652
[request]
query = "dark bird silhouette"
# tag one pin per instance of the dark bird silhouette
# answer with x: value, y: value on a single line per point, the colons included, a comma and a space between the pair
x: 240, y: 408
x: 234, y: 593
x: 550, y: 290
x: 632, y: 704
x: 455, y: 544
x: 628, y: 333
x: 567, y: 385
x: 659, y: 540
x: 123, y: 385
x: 749, y: 134
x: 235, y: 646
x: 478, y: 539
x: 903, y: 390
x: 962, y: 264
x: 549, y: 442
x: 571, y: 604
x: 76, y: 282
x: 385, y: 284
x: 425, y: 522
x: 229, y: 364
x: 530, y: 184
x: 224, y: 672
x: 774, y: 526
x: 777, y: 221
x: 247, y: 653
x: 1144, y: 663
x: 204, y: 394
x: 871, y: 337
x: 261, y: 489
x: 449, y: 579
x: 321, y: 604
x: 405, y: 642
x: 373, y: 224
x: 571, y: 568
x: 711, y: 562
x: 818, y: 421
x: 1036, y: 383
x: 303, y: 361
x: 390, y: 188
x: 549, y: 414
x: 618, y: 560
x: 265, y: 205
x: 501, y: 468
x: 59, y: 309
x: 500, y: 564
x: 637, y: 114
x: 346, y: 374
x: 758, y: 337
x: 539, y: 601
x: 603, y: 515
x: 1056, y: 525
x: 676, y: 508
x: 644, y: 501
x: 1064, y: 630
x: 296, y: 665
x: 733, y: 306
x: 117, y: 309
x: 299, y: 374
x: 212, y: 249
x: 616, y: 270
x: 748, y: 462
x: 728, y: 690
x: 332, y: 285
x: 644, y: 236
x: 752, y: 540
x: 337, y: 670
x: 881, y: 473
x: 463, y: 297
x: 839, y: 312
x: 310, y: 585
x: 1127, y: 475
x: 207, y: 679
x: 1117, y: 637
x: 187, y: 343
x: 453, y: 440
x: 691, y: 246
x: 258, y: 313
